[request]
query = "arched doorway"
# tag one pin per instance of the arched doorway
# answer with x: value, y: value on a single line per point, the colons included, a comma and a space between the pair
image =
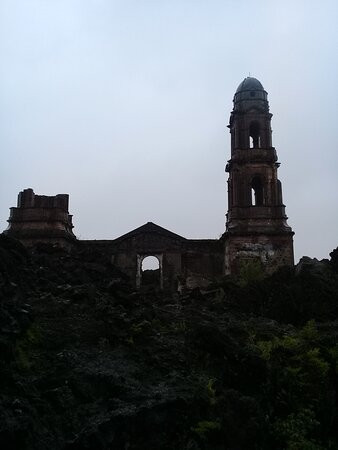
x: 149, y: 271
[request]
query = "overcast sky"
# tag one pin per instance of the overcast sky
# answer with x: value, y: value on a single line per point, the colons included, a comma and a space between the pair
x: 124, y: 105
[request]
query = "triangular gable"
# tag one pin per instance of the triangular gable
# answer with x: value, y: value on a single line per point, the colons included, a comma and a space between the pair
x: 150, y: 228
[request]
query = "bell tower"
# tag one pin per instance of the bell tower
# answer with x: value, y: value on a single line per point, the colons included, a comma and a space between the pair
x: 256, y: 227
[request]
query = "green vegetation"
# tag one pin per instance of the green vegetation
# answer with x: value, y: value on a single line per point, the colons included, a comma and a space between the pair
x: 205, y: 428
x: 250, y: 271
x: 299, y: 385
x: 26, y: 346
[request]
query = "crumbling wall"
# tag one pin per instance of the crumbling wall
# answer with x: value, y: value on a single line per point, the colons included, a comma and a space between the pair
x: 270, y: 251
x: 202, y: 262
x: 183, y: 262
x: 127, y: 255
x: 41, y: 219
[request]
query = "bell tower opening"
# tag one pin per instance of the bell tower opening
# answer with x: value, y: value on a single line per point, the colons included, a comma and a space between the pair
x: 254, y: 134
x: 257, y: 192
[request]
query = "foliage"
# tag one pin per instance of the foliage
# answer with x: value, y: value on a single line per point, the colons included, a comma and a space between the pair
x: 211, y: 391
x: 295, y: 428
x: 288, y: 296
x: 239, y: 366
x: 205, y: 428
x: 334, y: 259
x: 26, y: 345
x: 251, y: 270
x: 299, y: 384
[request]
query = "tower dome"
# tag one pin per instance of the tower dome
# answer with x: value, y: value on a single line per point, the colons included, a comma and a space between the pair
x: 250, y: 118
x: 251, y: 93
x: 250, y: 84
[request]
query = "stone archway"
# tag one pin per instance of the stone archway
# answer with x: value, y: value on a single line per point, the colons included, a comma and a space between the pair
x: 139, y: 271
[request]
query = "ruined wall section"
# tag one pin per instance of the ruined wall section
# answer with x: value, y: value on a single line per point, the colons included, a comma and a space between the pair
x: 183, y: 262
x: 41, y: 219
x: 128, y: 254
x: 188, y: 263
x: 202, y: 261
x: 268, y: 251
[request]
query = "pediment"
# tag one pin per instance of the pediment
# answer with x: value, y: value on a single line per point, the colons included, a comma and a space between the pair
x: 150, y: 229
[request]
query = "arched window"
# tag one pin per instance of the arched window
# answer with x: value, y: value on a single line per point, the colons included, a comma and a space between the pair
x: 254, y: 134
x: 150, y: 271
x: 257, y: 198
x: 150, y: 263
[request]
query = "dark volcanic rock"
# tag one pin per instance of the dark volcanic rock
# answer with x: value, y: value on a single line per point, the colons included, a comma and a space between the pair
x: 88, y: 363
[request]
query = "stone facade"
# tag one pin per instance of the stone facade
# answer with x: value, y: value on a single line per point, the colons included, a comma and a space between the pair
x: 182, y: 262
x: 256, y: 224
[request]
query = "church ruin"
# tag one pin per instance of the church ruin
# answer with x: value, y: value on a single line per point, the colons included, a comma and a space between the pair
x: 256, y: 228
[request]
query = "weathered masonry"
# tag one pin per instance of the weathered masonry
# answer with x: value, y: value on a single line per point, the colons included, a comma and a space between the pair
x: 256, y: 228
x: 41, y: 218
x: 182, y: 262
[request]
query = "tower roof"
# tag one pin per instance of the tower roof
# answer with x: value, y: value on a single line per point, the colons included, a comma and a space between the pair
x: 250, y: 94
x: 250, y: 84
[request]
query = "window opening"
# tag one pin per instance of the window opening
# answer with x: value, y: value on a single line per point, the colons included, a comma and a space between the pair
x: 150, y: 271
x: 256, y: 192
x: 254, y: 133
x: 253, y: 199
